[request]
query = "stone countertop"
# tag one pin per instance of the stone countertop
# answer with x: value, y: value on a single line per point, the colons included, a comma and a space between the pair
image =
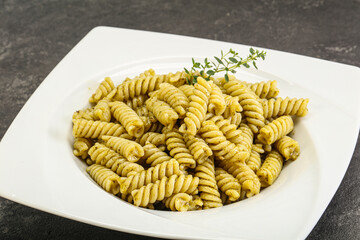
x: 36, y: 35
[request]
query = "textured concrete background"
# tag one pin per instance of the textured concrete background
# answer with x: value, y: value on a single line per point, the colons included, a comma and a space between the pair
x: 36, y: 35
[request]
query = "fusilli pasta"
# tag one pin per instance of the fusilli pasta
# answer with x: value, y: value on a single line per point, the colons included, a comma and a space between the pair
x: 106, y: 178
x: 276, y: 130
x: 136, y: 181
x: 157, y: 143
x: 217, y: 104
x: 175, y: 143
x: 95, y: 129
x: 222, y: 148
x: 264, y: 89
x: 197, y: 107
x: 208, y: 188
x: 103, y: 90
x: 228, y: 184
x: 131, y: 150
x: 270, y: 169
x: 198, y: 148
x: 100, y: 154
x: 102, y: 111
x: 252, y: 108
x: 165, y: 188
x: 81, y: 147
x: 162, y: 111
x: 128, y: 118
x: 174, y: 97
x: 288, y: 147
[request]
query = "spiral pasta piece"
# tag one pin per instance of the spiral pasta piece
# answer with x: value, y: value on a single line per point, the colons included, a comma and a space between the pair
x: 275, y: 130
x: 152, y: 137
x: 131, y: 150
x: 162, y: 111
x: 252, y: 108
x: 106, y: 178
x: 287, y: 106
x: 198, y: 148
x: 229, y: 130
x: 232, y: 106
x: 263, y: 89
x: 102, y: 111
x: 217, y: 104
x: 81, y: 147
x: 221, y: 147
x: 154, y: 155
x: 87, y: 114
x: 178, y: 202
x: 95, y: 129
x: 128, y: 118
x: 145, y: 84
x: 144, y: 112
x: 165, y: 187
x: 247, y: 136
x: 175, y: 143
x: 197, y: 107
x: 100, y: 154
x: 174, y: 97
x: 103, y: 90
x: 150, y: 175
x: 137, y: 102
x: 250, y: 183
x: 270, y: 169
x: 146, y: 73
x: 288, y: 147
x: 236, y: 119
x: 188, y: 90
x: 208, y: 189
x: 228, y: 184
x: 254, y: 161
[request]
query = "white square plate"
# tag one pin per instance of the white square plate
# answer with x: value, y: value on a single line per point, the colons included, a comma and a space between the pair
x: 39, y: 170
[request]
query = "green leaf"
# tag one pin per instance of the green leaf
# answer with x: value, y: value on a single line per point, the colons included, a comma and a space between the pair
x: 252, y: 51
x: 195, y: 79
x: 226, y: 77
x: 246, y: 65
x: 234, y: 60
x: 262, y: 56
x: 233, y: 71
x: 219, y: 61
x: 254, y: 64
x: 222, y: 53
x: 188, y: 80
x: 210, y: 72
x: 187, y: 71
x: 193, y: 61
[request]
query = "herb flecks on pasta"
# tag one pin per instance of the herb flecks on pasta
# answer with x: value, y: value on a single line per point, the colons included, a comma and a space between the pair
x: 159, y: 143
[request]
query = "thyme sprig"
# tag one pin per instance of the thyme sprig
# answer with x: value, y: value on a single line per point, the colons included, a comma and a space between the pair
x: 227, y: 62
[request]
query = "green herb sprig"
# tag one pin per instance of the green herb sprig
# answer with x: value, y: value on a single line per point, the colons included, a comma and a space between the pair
x: 228, y: 62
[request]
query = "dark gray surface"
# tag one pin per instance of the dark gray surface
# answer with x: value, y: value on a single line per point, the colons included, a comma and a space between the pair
x: 36, y: 35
